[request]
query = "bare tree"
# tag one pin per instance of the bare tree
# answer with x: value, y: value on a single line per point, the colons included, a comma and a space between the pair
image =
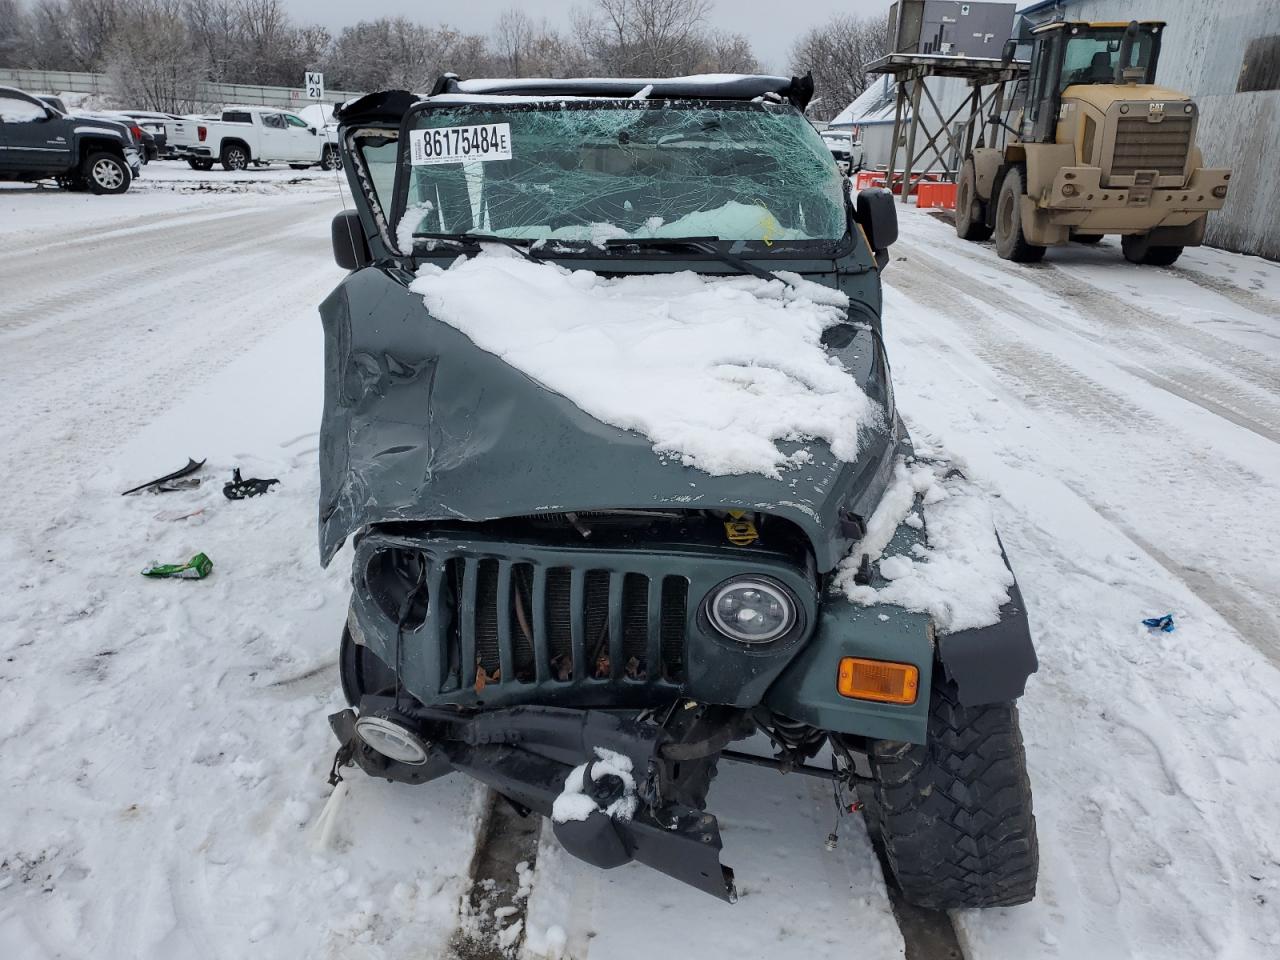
x: 151, y: 61
x: 15, y: 35
x: 393, y: 52
x: 521, y: 47
x: 214, y: 29
x: 645, y: 38
x: 838, y: 53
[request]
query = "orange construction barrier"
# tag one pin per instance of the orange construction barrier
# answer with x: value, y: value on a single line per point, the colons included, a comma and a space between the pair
x: 868, y: 178
x: 936, y: 195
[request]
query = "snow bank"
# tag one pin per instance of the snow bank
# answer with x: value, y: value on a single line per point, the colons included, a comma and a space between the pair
x: 960, y: 578
x: 713, y: 371
x: 574, y: 803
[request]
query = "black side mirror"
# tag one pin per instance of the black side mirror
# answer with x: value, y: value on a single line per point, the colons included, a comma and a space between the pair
x: 350, y: 247
x: 879, y: 219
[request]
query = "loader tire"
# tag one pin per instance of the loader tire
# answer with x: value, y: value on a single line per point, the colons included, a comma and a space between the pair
x: 1011, y: 243
x: 971, y: 210
x: 954, y: 815
x: 1138, y: 248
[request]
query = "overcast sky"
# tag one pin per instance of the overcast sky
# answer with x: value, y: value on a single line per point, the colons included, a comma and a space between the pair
x: 770, y: 25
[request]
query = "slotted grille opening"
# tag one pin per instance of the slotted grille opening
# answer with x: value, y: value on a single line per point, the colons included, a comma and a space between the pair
x: 635, y: 626
x: 675, y: 599
x: 595, y: 619
x: 559, y: 622
x: 487, y: 657
x: 521, y: 614
x: 451, y: 625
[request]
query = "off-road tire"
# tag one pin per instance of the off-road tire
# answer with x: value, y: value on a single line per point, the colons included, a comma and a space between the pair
x: 1138, y: 248
x: 361, y: 671
x: 1086, y: 238
x: 234, y: 157
x: 971, y: 211
x: 954, y: 815
x: 1011, y: 243
x: 105, y: 173
x: 330, y: 159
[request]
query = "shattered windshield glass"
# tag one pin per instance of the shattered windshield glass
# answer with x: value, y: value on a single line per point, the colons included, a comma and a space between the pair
x: 599, y: 171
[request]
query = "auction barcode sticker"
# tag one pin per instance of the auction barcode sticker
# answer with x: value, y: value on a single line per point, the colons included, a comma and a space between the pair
x: 489, y: 141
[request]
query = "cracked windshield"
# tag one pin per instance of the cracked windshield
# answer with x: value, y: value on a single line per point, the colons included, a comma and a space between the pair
x: 613, y: 172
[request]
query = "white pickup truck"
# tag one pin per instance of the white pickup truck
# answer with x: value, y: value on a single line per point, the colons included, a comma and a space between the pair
x: 240, y: 136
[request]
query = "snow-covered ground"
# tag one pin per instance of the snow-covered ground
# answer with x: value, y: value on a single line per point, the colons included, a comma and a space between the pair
x: 163, y: 743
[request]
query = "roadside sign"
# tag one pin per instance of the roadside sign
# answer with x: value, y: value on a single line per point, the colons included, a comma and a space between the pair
x: 315, y: 86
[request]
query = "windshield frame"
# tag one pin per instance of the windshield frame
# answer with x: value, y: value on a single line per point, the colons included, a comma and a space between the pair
x: 569, y: 249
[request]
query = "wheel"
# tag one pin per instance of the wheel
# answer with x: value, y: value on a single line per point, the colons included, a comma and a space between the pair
x: 971, y: 212
x: 361, y: 671
x: 1011, y: 244
x: 234, y: 157
x: 954, y: 815
x: 330, y: 159
x: 1087, y: 237
x: 1138, y: 248
x: 105, y: 173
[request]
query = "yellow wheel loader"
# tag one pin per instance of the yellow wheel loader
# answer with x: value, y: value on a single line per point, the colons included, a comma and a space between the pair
x: 1099, y: 149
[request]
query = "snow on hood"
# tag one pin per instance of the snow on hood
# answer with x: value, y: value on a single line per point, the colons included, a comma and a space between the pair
x: 713, y: 371
x: 960, y: 577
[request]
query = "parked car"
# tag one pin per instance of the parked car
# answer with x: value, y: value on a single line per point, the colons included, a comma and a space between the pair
x: 156, y: 137
x: 847, y: 152
x: 569, y: 584
x: 39, y: 142
x: 240, y: 136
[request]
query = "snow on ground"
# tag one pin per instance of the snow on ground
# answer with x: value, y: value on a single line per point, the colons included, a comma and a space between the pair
x: 165, y: 749
x: 1127, y: 420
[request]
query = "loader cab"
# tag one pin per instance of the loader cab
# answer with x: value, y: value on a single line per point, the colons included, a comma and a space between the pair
x: 1066, y: 54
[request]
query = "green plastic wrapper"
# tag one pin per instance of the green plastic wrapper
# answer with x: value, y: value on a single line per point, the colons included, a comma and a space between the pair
x: 197, y: 568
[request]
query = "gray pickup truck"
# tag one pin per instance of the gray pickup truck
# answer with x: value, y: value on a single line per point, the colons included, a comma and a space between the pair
x: 39, y: 143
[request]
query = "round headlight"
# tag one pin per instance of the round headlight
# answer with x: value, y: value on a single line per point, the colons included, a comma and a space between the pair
x: 391, y: 740
x: 751, y: 609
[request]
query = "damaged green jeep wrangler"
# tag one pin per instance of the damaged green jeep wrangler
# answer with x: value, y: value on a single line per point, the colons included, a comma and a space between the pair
x: 608, y: 419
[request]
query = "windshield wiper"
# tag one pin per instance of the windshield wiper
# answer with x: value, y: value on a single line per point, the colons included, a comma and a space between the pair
x: 705, y: 245
x: 475, y: 239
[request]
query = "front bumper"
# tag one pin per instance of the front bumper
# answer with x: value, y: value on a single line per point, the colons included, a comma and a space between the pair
x: 526, y: 754
x: 1131, y: 208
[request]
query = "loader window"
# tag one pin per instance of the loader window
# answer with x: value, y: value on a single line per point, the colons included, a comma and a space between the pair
x: 1091, y: 56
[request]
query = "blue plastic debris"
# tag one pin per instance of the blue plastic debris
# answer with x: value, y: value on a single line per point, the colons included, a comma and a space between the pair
x: 1164, y: 623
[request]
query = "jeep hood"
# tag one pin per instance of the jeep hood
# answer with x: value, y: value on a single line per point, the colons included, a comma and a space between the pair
x: 421, y: 424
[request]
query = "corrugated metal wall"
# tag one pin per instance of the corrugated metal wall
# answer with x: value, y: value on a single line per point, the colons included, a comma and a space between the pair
x: 1202, y: 54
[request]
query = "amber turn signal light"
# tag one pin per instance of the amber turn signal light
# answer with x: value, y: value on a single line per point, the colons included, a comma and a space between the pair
x: 878, y: 680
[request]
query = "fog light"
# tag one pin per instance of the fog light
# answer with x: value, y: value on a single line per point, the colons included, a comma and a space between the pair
x: 1220, y: 191
x: 1069, y: 190
x: 751, y: 609
x: 392, y: 740
x: 878, y: 680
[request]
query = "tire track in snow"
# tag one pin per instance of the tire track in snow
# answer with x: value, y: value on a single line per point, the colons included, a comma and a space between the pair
x: 1166, y: 468
x: 1255, y: 410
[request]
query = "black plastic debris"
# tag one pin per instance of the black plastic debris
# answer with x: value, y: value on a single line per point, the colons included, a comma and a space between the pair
x: 240, y: 488
x: 171, y: 482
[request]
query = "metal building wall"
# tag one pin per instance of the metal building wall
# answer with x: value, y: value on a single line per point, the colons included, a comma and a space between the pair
x: 1202, y: 54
